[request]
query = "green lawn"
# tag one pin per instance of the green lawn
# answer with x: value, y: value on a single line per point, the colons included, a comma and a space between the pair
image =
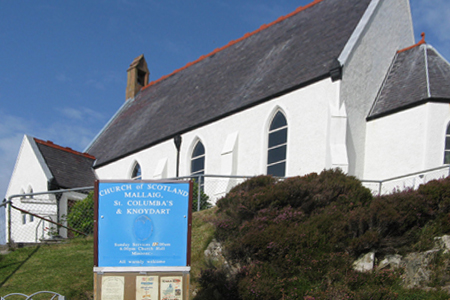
x: 63, y: 268
x: 68, y: 268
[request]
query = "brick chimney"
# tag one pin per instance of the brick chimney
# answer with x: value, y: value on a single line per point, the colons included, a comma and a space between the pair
x: 137, y: 76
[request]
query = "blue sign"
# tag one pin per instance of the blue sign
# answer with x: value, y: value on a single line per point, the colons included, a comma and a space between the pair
x: 143, y: 224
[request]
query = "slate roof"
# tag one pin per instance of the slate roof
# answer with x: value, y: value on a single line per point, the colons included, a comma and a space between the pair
x: 70, y: 169
x: 417, y: 75
x: 290, y: 53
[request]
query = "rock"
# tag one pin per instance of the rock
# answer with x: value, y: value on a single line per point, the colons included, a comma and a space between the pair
x: 446, y: 288
x: 390, y: 261
x: 416, y: 265
x: 365, y: 262
x: 214, y: 251
x: 443, y: 243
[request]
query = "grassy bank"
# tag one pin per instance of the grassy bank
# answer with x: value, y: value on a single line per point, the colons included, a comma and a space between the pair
x: 67, y: 268
x: 63, y: 268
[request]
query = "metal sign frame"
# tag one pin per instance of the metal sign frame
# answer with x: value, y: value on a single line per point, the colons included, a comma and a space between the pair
x: 142, y: 225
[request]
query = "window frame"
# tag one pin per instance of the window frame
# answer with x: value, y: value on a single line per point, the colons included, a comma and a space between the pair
x: 446, y: 159
x: 201, y: 156
x: 275, y: 148
x: 136, y: 172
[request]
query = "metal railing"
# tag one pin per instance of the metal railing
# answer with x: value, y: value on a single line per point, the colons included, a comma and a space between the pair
x: 212, y: 187
x: 53, y: 295
x: 41, y: 217
x: 49, y: 216
x: 411, y: 180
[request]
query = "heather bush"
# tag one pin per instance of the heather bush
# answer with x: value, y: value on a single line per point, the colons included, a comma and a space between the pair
x: 297, y: 238
x: 217, y: 285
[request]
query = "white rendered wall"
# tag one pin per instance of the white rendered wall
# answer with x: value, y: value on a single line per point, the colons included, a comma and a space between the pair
x: 29, y: 173
x: 406, y: 142
x: 388, y: 30
x: 237, y: 145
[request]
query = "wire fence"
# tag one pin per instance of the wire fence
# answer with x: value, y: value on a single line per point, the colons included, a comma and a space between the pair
x: 48, y: 216
x: 57, y: 215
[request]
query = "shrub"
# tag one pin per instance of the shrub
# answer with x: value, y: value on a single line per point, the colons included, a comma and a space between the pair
x: 81, y: 215
x: 297, y: 238
x: 204, y: 199
x: 216, y: 284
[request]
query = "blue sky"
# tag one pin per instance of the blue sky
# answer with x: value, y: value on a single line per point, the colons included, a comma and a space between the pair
x: 63, y: 63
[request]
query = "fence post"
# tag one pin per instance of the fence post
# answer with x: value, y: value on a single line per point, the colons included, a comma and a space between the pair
x: 199, y: 191
x: 9, y: 224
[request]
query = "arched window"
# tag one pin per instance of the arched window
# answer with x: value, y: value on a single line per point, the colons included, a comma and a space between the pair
x: 277, y: 146
x: 136, y: 174
x: 447, y: 146
x: 198, y: 163
x: 198, y: 159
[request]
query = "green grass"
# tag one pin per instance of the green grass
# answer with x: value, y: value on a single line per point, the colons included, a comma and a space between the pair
x: 63, y: 268
x: 202, y: 234
x: 68, y: 268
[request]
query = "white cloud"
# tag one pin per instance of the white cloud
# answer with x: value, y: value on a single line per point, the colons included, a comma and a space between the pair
x: 11, y: 133
x: 83, y: 113
x: 103, y: 80
x: 9, y: 148
x: 75, y: 129
x: 432, y: 16
x: 63, y: 78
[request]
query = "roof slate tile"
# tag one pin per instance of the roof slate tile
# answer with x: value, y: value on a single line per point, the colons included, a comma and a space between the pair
x: 70, y: 169
x: 417, y: 75
x: 289, y: 54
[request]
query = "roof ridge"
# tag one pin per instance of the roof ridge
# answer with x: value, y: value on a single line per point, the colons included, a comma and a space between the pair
x: 422, y: 41
x: 67, y: 149
x: 383, y: 84
x: 233, y: 42
x: 427, y: 73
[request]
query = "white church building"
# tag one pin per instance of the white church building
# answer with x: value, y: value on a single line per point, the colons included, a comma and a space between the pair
x: 335, y: 84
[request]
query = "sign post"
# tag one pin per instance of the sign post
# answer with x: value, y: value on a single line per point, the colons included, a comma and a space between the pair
x: 142, y: 239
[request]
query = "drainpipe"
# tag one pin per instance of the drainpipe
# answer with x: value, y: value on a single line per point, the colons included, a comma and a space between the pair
x: 177, y: 141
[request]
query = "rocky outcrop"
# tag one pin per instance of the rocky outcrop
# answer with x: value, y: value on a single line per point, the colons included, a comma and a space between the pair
x: 417, y: 268
x: 365, y: 262
x: 420, y: 268
x: 214, y: 252
x: 391, y: 261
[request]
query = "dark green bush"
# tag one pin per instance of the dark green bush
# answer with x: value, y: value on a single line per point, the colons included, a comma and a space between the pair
x: 204, y: 199
x: 217, y: 285
x: 81, y: 215
x: 297, y: 238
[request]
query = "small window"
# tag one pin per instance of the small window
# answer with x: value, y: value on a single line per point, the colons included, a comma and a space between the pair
x: 447, y: 146
x: 136, y: 174
x: 24, y: 218
x: 277, y: 146
x: 198, y: 162
x: 31, y: 218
